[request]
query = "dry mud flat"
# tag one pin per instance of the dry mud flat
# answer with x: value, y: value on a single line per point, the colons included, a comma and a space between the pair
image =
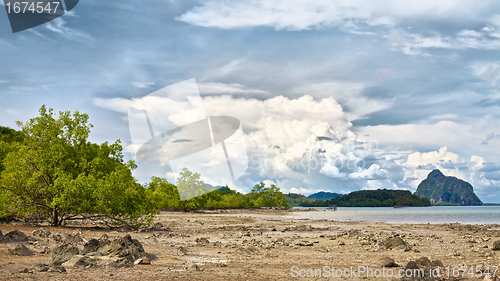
x: 251, y: 245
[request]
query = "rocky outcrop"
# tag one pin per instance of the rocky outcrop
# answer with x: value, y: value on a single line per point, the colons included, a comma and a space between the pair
x: 442, y: 189
x: 17, y: 236
x: 64, y: 253
x: 120, y: 252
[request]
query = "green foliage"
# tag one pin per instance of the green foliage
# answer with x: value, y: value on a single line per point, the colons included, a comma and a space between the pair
x: 373, y: 198
x: 271, y: 196
x: 294, y: 199
x: 56, y: 173
x: 442, y: 189
x: 322, y: 195
x: 8, y: 136
x: 165, y: 194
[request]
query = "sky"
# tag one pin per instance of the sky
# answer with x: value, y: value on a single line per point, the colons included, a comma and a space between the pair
x: 331, y: 95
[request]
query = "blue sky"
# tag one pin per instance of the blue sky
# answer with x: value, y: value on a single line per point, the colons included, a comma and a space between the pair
x: 370, y: 94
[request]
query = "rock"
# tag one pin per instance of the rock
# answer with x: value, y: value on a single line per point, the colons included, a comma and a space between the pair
x: 17, y: 236
x: 41, y: 267
x: 104, y: 239
x: 124, y: 248
x: 42, y: 232
x: 304, y: 243
x: 181, y: 251
x: 437, y: 264
x: 44, y: 250
x: 439, y: 188
x: 496, y: 246
x: 82, y: 261
x: 118, y: 253
x: 202, y: 241
x: 75, y: 239
x: 324, y: 249
x: 21, y: 250
x: 92, y: 246
x: 156, y: 227
x: 193, y: 267
x: 57, y: 268
x: 387, y: 262
x: 423, y: 262
x: 396, y: 243
x: 420, y: 269
x: 2, y: 237
x: 341, y: 243
x: 64, y: 253
x: 144, y: 260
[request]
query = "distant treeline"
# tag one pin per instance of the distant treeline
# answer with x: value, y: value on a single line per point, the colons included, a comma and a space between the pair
x: 373, y: 198
x: 166, y: 196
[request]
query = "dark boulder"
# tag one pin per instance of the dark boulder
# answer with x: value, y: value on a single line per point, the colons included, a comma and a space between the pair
x: 63, y: 253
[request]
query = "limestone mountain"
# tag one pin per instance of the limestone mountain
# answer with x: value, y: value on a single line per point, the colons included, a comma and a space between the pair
x: 442, y: 189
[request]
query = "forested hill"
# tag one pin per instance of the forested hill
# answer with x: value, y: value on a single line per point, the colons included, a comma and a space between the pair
x: 373, y: 198
x: 442, y: 189
x: 323, y: 195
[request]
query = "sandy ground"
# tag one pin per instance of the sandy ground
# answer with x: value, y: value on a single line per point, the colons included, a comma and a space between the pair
x: 273, y: 245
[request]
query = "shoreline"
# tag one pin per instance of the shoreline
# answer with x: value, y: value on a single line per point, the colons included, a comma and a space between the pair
x: 265, y: 244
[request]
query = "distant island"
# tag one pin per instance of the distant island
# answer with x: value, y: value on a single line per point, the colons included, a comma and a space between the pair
x: 324, y: 195
x: 372, y: 198
x: 295, y: 199
x: 443, y: 190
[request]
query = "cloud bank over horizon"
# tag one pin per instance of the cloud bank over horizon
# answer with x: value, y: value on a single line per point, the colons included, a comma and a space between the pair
x: 307, y: 145
x: 333, y: 95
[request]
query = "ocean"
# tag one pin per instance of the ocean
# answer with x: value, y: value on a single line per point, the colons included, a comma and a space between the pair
x: 413, y: 215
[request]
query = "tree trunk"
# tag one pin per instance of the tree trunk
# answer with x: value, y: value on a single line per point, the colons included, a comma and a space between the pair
x: 55, y: 217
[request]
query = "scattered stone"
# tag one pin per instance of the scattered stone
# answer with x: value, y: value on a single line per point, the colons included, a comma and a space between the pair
x: 421, y: 269
x: 496, y: 246
x: 144, y: 260
x: 41, y: 267
x: 156, y: 227
x: 17, y: 236
x: 63, y: 253
x: 202, y: 241
x: 388, y: 262
x: 486, y: 254
x: 248, y: 250
x: 193, y: 267
x: 181, y: 251
x: 396, y: 243
x: 304, y: 243
x: 42, y: 232
x: 44, y: 250
x: 57, y: 268
x: 437, y: 264
x: 21, y: 250
x: 324, y: 249
x: 341, y: 243
x: 26, y: 271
